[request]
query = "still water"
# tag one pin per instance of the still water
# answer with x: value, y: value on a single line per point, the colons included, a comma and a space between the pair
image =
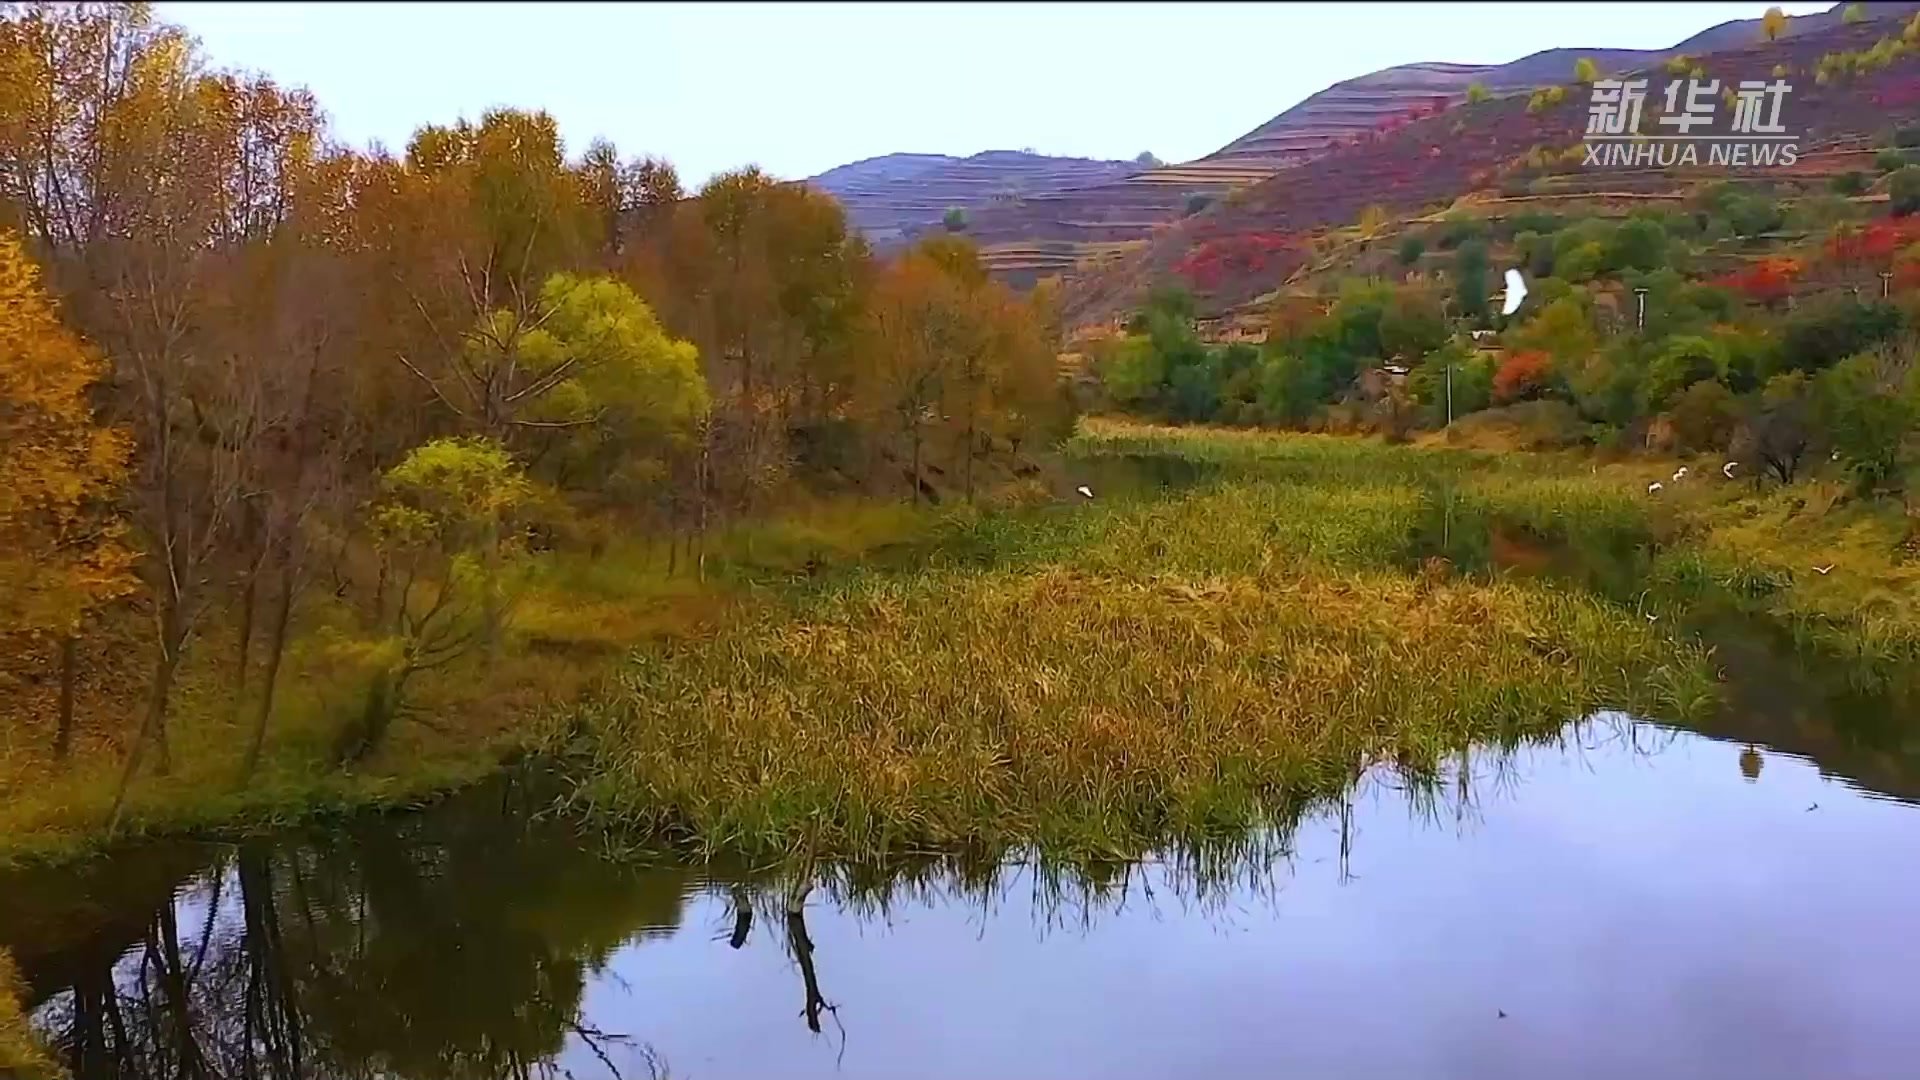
x: 1624, y: 900
x: 1634, y: 901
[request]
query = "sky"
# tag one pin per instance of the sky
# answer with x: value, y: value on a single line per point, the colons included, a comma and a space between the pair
x: 800, y: 88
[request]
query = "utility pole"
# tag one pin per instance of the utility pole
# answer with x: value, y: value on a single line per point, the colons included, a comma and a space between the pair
x: 1640, y: 309
x: 1449, y: 393
x: 1886, y: 283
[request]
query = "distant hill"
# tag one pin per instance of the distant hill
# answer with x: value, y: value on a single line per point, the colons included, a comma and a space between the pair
x: 1254, y: 242
x: 1061, y: 222
x: 889, y: 197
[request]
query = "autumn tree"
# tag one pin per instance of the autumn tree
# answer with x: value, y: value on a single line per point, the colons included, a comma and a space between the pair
x: 63, y: 552
x: 445, y: 527
x: 1773, y: 23
x: 560, y: 361
x: 1522, y: 375
x: 137, y: 172
x: 918, y: 335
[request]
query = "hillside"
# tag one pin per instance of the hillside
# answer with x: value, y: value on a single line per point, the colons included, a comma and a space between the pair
x: 888, y: 197
x: 1247, y: 246
x: 1079, y: 228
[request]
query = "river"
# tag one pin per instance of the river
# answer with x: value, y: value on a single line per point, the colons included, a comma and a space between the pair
x: 1628, y: 900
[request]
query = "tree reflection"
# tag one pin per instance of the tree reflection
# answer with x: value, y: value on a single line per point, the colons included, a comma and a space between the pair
x: 450, y: 945
x: 460, y: 942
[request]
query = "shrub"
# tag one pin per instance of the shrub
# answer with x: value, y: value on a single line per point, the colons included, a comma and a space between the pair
x: 1820, y: 334
x: 1522, y: 375
x: 1686, y: 360
x: 1850, y: 183
x: 1704, y: 417
x: 1889, y: 159
x: 1411, y: 248
x: 955, y: 219
x: 1904, y: 189
x: 1868, y: 414
x: 1477, y: 93
x: 1198, y: 201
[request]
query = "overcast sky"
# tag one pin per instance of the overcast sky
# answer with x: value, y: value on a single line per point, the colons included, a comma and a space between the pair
x: 800, y: 88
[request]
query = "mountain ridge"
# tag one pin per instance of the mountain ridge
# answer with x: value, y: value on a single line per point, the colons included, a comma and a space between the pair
x: 1031, y: 231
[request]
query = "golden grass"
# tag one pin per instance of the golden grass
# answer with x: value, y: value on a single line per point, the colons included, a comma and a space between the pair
x: 1093, y: 714
x: 21, y: 1054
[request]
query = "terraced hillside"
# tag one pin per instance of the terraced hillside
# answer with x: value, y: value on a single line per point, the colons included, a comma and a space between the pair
x: 1356, y: 107
x: 889, y: 197
x: 1247, y: 246
x: 1080, y: 228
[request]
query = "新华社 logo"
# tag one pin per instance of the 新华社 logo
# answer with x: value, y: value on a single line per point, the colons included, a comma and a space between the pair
x: 1686, y: 130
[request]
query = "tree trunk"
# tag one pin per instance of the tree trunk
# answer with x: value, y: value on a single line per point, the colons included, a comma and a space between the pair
x: 63, y: 737
x: 245, y: 644
x: 152, y: 728
x: 915, y: 437
x: 276, y: 649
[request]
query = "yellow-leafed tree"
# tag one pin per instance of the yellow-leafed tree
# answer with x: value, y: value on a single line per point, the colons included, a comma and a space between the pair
x: 62, y: 549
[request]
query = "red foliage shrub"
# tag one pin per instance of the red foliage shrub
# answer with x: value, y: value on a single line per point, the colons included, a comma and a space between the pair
x: 1874, y: 245
x: 1767, y: 281
x: 1522, y: 375
x: 1248, y: 253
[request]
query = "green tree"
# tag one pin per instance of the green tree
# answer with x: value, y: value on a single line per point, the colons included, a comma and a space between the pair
x: 1773, y: 23
x: 1904, y: 190
x: 1821, y: 333
x: 1850, y: 183
x: 1477, y: 93
x: 1638, y: 244
x: 1411, y: 248
x: 1470, y: 281
x: 1146, y: 160
x: 1704, y: 416
x: 1683, y: 362
x: 1778, y: 428
x: 1561, y: 329
x: 955, y: 219
x: 1853, y: 13
x: 446, y: 530
x: 587, y: 349
x: 1585, y: 70
x: 1867, y: 405
x: 1472, y: 382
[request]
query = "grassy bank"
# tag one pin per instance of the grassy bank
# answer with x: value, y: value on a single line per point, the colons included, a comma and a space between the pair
x: 571, y: 624
x: 1090, y: 676
x: 21, y: 1054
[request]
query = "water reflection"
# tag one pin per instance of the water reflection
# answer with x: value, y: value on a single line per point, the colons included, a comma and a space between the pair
x: 454, y: 943
x: 483, y: 939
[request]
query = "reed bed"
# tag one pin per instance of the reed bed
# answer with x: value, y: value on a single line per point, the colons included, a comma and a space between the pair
x: 1092, y: 715
x: 1196, y: 670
